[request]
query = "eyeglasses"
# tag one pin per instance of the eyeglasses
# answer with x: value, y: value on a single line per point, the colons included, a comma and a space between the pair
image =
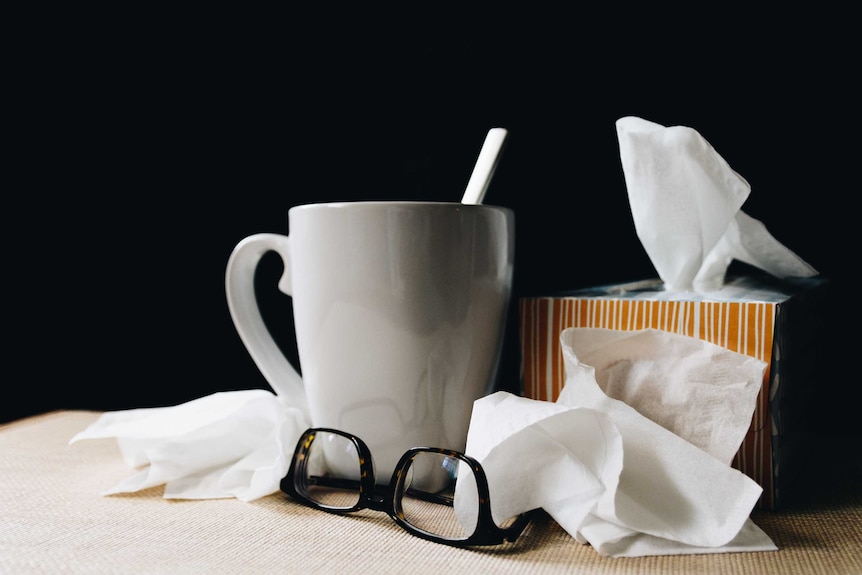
x: 436, y: 494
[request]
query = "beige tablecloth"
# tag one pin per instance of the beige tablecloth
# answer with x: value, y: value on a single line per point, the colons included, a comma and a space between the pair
x: 54, y: 520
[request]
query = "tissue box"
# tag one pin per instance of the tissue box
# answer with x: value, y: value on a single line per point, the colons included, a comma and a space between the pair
x: 778, y: 321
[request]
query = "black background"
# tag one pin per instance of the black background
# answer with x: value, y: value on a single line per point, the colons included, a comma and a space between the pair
x: 151, y: 143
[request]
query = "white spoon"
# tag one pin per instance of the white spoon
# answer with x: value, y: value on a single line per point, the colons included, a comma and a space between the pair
x: 486, y: 163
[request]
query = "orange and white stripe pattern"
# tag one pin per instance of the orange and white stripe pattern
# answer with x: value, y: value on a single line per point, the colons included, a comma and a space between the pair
x: 743, y: 327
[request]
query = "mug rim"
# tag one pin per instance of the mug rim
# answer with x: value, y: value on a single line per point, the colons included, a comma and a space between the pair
x: 396, y: 203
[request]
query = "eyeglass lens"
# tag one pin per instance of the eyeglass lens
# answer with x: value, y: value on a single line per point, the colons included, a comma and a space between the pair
x: 428, y: 495
x: 332, y: 471
x: 426, y: 489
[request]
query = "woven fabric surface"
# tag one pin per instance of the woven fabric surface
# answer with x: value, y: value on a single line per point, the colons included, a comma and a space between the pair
x: 53, y: 519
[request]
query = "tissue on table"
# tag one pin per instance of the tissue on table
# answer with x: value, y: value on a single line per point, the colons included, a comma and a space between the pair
x: 228, y: 444
x: 609, y: 475
x: 685, y: 201
x: 776, y: 321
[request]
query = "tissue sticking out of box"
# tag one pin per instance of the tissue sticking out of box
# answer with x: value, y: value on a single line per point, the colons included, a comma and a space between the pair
x: 685, y: 201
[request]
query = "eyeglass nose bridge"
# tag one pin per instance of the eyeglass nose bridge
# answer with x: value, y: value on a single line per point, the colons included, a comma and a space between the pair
x: 379, y: 499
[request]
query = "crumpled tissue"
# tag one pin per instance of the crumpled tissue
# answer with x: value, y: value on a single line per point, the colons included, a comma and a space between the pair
x: 608, y: 473
x: 685, y: 200
x: 227, y: 444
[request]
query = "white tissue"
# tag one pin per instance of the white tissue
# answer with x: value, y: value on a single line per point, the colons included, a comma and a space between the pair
x: 228, y: 444
x: 609, y: 475
x: 698, y: 390
x: 685, y: 201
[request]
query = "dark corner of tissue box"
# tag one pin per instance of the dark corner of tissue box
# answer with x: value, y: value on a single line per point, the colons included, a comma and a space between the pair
x: 783, y: 322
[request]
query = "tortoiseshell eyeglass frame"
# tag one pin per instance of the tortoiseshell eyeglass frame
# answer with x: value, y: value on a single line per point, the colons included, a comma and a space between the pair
x: 388, y: 498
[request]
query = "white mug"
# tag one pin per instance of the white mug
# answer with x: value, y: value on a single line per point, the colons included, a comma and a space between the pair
x: 400, y: 311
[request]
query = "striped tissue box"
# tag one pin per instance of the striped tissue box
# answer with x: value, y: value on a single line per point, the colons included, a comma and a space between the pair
x: 760, y: 316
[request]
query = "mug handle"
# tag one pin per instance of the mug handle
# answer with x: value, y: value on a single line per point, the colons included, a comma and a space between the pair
x: 242, y: 303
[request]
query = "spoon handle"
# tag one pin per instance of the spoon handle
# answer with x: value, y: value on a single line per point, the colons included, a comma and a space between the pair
x: 486, y: 163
